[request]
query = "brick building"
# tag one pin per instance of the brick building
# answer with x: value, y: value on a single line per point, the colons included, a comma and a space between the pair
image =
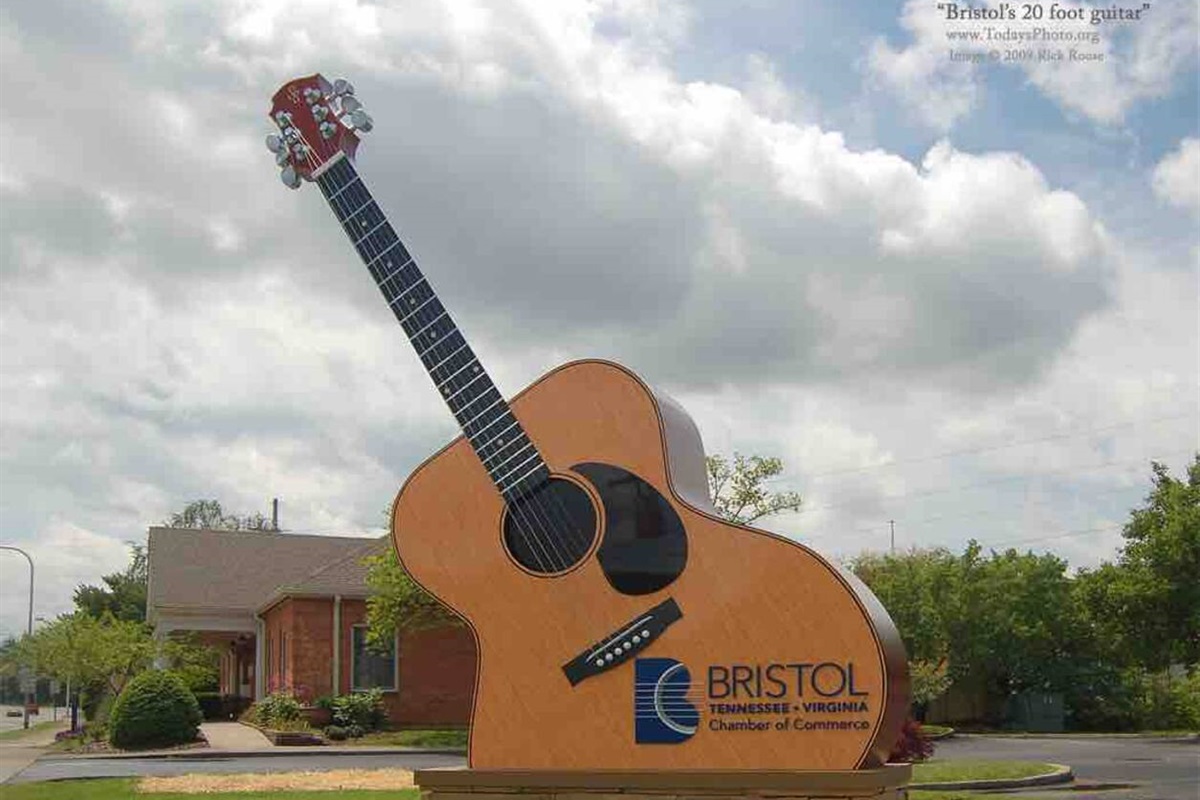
x: 289, y: 611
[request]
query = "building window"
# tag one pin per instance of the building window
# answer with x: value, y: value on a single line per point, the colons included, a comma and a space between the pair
x: 369, y: 668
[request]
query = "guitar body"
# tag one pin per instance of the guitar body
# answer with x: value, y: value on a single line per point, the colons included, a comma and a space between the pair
x: 762, y: 619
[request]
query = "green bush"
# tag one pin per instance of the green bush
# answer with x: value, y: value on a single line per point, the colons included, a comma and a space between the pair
x: 155, y: 709
x: 362, y: 710
x: 275, y: 711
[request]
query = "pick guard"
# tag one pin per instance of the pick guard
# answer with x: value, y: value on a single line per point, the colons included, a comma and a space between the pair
x: 645, y: 544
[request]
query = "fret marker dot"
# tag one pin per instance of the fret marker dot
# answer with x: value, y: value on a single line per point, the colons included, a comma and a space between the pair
x: 476, y: 369
x: 499, y: 442
x: 433, y: 334
x: 412, y: 301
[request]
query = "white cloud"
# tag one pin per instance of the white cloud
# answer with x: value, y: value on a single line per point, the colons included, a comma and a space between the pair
x: 1176, y: 179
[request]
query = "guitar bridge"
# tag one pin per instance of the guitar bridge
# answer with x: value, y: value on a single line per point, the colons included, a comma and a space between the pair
x: 618, y: 647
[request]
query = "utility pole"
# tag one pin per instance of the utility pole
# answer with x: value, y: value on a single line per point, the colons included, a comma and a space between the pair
x: 29, y: 627
x: 892, y: 522
x: 275, y: 514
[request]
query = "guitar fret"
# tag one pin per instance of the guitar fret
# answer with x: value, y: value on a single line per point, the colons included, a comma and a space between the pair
x: 371, y: 263
x: 429, y: 299
x: 464, y: 387
x: 353, y: 214
x: 477, y: 398
x: 523, y: 477
x: 368, y: 233
x: 460, y: 369
x: 510, y: 458
x: 431, y: 322
x: 500, y: 450
x: 421, y: 355
x: 391, y: 274
x: 447, y: 358
x: 497, y: 436
x: 481, y: 413
x: 334, y: 196
x: 404, y: 294
x: 500, y: 478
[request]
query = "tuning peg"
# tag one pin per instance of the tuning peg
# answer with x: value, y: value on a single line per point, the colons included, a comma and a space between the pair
x: 350, y: 104
x: 281, y: 156
x: 362, y: 121
x: 289, y: 177
x: 341, y: 86
x: 274, y: 142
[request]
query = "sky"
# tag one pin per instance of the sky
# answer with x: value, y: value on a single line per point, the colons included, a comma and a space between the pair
x: 947, y: 270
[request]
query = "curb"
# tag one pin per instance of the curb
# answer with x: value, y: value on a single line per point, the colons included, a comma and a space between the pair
x: 1061, y: 774
x: 209, y: 753
x: 1188, y: 738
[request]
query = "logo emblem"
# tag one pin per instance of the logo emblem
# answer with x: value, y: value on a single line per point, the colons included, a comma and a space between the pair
x: 662, y: 712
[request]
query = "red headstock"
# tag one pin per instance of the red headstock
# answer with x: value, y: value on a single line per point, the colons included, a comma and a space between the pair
x: 317, y: 120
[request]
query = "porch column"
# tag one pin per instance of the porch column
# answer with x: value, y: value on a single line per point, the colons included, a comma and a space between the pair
x: 259, y: 667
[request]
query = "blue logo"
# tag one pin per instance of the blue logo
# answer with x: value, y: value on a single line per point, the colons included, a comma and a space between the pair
x: 662, y: 712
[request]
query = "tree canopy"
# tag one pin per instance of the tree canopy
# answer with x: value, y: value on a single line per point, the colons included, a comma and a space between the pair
x: 209, y: 514
x: 125, y: 595
x: 738, y: 491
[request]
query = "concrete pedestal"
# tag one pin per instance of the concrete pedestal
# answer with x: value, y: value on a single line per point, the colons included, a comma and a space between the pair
x: 887, y: 783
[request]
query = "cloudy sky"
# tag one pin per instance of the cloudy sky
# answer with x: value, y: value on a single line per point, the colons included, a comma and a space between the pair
x: 949, y: 281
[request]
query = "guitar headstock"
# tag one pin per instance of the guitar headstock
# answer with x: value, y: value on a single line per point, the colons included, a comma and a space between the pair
x: 317, y: 120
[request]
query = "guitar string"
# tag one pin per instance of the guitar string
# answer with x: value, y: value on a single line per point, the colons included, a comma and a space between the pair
x: 524, y: 529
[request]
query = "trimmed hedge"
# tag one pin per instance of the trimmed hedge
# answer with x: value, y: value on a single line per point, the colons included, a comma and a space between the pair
x: 155, y: 709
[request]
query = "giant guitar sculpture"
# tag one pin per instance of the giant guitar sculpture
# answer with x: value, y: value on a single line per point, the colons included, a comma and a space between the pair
x: 619, y: 622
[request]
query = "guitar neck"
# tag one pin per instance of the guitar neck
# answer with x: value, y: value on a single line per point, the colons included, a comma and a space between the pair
x: 506, y: 452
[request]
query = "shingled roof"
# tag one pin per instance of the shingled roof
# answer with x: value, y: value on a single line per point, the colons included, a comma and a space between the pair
x: 198, y: 570
x: 346, y: 577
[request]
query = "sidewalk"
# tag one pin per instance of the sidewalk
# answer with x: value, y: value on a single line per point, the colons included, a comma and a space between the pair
x: 234, y: 736
x: 17, y: 754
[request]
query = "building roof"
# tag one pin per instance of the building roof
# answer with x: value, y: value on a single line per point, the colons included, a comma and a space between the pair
x: 346, y: 577
x: 201, y: 570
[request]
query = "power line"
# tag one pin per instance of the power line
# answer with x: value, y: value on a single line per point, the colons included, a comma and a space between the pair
x: 1007, y: 479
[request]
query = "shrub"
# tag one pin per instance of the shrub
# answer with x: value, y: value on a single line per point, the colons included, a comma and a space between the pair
x: 335, y: 733
x: 277, y: 709
x: 155, y: 709
x: 363, y: 710
x: 912, y: 745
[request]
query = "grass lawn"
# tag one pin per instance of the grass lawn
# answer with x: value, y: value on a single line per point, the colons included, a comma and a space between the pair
x: 125, y: 789
x: 962, y: 794
x: 7, y: 736
x: 967, y: 769
x: 413, y: 738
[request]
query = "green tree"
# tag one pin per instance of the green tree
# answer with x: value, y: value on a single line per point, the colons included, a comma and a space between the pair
x: 209, y: 514
x: 1147, y: 605
x: 397, y: 603
x: 125, y: 595
x: 89, y: 650
x: 737, y: 488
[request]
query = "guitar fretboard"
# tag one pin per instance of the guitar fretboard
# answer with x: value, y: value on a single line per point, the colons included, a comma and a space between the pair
x: 510, y: 458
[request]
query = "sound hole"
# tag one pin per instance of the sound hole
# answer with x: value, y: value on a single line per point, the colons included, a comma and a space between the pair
x: 551, y: 528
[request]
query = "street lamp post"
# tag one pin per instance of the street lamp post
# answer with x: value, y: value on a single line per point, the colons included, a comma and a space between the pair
x: 29, y: 627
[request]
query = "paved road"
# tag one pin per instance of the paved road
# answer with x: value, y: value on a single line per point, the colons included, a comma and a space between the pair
x: 8, y: 723
x: 1158, y: 770
x: 57, y: 768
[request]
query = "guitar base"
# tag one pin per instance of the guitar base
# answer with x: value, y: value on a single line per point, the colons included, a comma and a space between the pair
x: 885, y: 783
